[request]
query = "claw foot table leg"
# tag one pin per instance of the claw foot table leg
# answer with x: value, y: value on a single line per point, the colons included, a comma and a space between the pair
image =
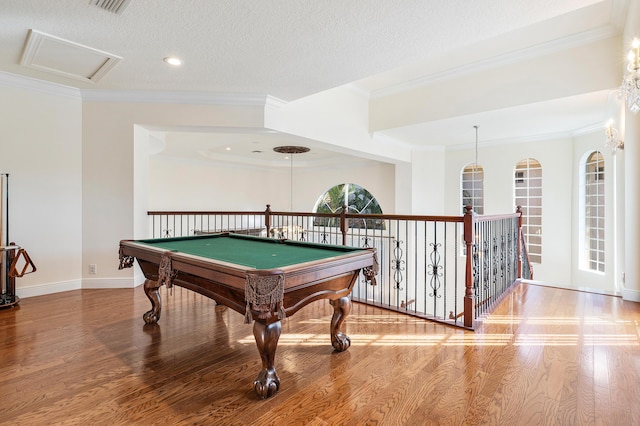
x: 267, y: 383
x: 341, y: 308
x: 151, y: 290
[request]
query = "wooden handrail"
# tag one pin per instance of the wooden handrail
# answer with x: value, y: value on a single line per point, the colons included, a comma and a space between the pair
x: 342, y: 221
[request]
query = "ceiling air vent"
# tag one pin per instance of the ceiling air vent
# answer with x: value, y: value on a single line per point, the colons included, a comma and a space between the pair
x: 113, y: 6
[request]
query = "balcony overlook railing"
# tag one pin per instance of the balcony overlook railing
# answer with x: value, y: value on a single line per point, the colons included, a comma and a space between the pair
x: 425, y: 269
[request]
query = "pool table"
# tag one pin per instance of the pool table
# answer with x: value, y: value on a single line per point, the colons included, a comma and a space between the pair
x: 264, y: 279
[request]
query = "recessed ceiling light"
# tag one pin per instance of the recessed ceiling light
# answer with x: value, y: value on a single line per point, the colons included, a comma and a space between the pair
x: 172, y: 60
x: 228, y: 148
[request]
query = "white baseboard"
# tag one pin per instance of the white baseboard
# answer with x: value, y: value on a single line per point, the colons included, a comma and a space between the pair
x: 585, y: 289
x: 631, y: 295
x: 57, y: 287
x: 112, y: 282
x: 49, y: 288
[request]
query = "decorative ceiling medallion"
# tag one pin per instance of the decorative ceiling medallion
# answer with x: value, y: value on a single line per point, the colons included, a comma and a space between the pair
x: 291, y: 149
x: 52, y: 54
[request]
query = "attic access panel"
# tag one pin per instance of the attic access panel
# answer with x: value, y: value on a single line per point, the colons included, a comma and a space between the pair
x: 54, y: 55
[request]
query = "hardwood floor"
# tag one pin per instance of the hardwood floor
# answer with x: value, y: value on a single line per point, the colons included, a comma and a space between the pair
x: 545, y: 356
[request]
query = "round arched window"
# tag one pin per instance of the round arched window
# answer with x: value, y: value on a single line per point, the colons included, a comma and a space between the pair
x: 357, y: 200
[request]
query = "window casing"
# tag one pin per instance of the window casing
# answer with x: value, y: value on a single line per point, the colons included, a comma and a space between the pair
x: 527, y: 186
x: 594, y: 212
x: 472, y: 183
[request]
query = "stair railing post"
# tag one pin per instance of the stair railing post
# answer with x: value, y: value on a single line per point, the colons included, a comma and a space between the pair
x: 519, y: 212
x: 344, y: 225
x: 469, y: 295
x: 267, y: 219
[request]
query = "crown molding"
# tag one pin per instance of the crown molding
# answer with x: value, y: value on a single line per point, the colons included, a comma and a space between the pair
x: 266, y: 165
x: 542, y: 49
x: 177, y: 97
x: 357, y: 90
x: 273, y: 102
x: 40, y: 86
x: 137, y: 96
x: 595, y: 127
x: 511, y: 141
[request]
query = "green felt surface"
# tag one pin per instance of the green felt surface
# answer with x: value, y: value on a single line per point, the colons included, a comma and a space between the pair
x: 253, y: 252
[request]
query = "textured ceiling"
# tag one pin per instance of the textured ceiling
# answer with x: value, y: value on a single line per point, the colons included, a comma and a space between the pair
x: 284, y: 48
x: 290, y: 49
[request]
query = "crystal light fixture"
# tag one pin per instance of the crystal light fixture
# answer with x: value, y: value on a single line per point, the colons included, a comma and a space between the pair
x: 630, y: 88
x: 612, y: 141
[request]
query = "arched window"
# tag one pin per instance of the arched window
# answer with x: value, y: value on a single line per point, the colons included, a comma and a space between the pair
x: 472, y: 183
x: 358, y: 201
x: 594, y: 211
x: 527, y: 192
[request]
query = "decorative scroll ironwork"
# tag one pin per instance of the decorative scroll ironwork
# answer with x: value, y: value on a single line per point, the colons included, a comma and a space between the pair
x: 512, y: 251
x: 435, y: 270
x: 324, y: 236
x: 496, y: 261
x: 476, y: 270
x: 486, y: 265
x: 397, y: 264
x: 503, y: 255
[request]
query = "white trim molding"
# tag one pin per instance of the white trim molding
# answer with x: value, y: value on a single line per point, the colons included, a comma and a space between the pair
x: 48, y: 288
x: 20, y: 82
x: 631, y: 295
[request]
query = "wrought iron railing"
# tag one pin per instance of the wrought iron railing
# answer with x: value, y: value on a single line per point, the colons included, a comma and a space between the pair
x: 424, y: 268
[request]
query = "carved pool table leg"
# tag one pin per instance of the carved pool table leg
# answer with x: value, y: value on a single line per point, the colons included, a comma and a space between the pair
x: 341, y: 308
x: 267, y: 383
x: 151, y: 290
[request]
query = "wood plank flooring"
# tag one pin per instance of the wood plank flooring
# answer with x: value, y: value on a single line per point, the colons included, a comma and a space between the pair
x: 545, y: 356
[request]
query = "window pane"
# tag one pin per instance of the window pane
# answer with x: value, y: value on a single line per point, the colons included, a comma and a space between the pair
x: 594, y: 213
x: 528, y: 195
x: 472, y: 183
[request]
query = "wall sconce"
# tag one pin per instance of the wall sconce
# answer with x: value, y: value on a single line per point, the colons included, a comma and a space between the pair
x: 630, y: 88
x: 612, y: 141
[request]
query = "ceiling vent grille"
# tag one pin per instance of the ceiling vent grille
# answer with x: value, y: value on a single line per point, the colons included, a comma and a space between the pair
x: 113, y: 6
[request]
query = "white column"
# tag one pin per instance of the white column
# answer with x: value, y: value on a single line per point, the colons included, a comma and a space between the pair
x: 631, y: 178
x: 632, y: 208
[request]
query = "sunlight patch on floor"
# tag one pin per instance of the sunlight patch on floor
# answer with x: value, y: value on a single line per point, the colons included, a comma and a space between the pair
x: 511, y: 319
x: 466, y: 339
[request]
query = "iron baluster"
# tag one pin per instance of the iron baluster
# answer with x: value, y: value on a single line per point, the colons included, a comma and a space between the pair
x: 435, y: 270
x: 396, y: 264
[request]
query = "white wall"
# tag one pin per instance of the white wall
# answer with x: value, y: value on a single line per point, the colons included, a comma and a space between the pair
x: 202, y: 185
x: 41, y: 150
x: 427, y: 189
x: 110, y: 163
x: 78, y: 186
x: 498, y: 162
x: 177, y: 184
